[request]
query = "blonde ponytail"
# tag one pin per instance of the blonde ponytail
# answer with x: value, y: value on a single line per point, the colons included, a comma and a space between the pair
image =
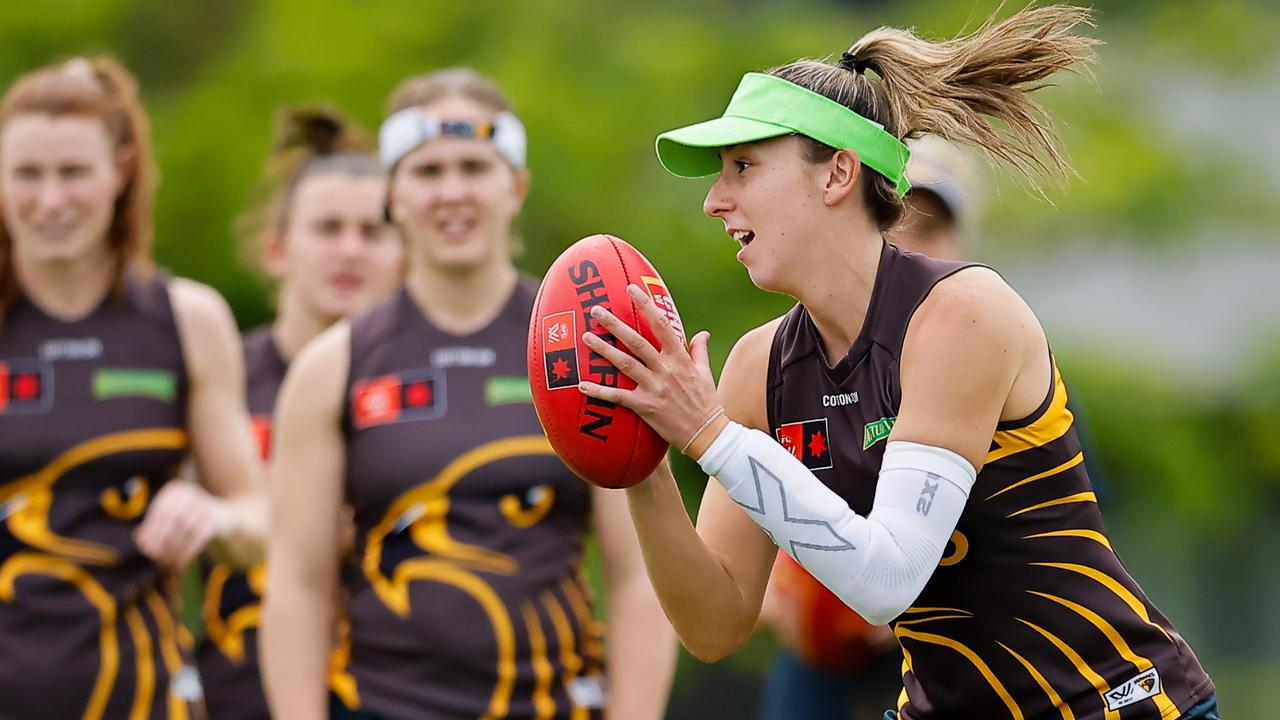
x: 973, y: 89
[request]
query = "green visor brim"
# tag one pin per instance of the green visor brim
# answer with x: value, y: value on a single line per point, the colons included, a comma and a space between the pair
x: 694, y: 151
x: 765, y: 106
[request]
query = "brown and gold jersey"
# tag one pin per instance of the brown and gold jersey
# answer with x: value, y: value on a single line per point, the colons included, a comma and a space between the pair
x: 227, y: 655
x: 1030, y: 613
x: 464, y: 589
x: 92, y: 425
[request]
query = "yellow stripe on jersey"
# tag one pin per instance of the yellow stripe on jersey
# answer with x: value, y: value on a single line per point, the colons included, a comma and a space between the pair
x: 168, y: 650
x: 144, y: 659
x: 903, y: 697
x: 1099, y: 683
x: 912, y: 610
x: 1078, y: 497
x: 932, y: 618
x: 1110, y: 583
x: 1079, y: 458
x: 569, y: 658
x: 591, y: 628
x: 1054, y: 697
x: 341, y: 681
x: 29, y: 563
x: 228, y: 636
x: 1114, y: 586
x: 1162, y: 701
x: 1048, y: 427
x: 972, y: 657
x: 1093, y: 535
x: 543, y: 704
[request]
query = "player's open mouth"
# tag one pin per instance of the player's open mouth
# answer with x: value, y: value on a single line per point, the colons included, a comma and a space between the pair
x: 456, y: 227
x: 744, y: 237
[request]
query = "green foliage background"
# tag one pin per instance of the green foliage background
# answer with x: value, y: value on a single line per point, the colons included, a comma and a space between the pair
x: 1192, y: 470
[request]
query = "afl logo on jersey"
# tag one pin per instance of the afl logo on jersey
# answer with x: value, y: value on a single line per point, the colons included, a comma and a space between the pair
x: 409, y: 396
x: 560, y: 349
x: 809, y: 442
x: 26, y: 386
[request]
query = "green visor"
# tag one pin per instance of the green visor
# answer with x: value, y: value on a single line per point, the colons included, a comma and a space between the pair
x: 766, y: 107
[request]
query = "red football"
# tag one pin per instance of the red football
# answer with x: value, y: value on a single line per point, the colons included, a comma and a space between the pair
x: 603, y: 443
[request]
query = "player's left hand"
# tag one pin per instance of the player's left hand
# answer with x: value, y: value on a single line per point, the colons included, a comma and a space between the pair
x: 675, y: 393
x: 180, y: 522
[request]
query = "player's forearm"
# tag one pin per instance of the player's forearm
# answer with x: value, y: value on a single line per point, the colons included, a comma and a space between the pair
x: 701, y: 599
x: 876, y: 564
x: 296, y: 633
x: 642, y: 652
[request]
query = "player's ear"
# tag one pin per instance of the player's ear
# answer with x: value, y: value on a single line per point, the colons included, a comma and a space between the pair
x: 841, y: 176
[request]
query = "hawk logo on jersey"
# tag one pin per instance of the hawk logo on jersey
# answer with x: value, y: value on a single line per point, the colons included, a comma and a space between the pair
x: 560, y: 349
x: 409, y: 396
x: 26, y: 386
x: 1137, y: 689
x: 809, y: 441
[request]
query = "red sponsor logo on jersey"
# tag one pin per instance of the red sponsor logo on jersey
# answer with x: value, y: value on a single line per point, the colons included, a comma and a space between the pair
x: 376, y: 401
x: 809, y: 441
x: 560, y: 349
x: 262, y: 433
x: 418, y: 394
x: 25, y: 386
x: 411, y: 395
x: 664, y: 302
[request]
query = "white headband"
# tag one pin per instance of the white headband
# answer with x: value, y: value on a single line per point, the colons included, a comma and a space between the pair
x: 405, y: 130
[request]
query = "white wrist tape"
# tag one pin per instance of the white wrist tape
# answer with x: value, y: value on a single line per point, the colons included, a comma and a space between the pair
x: 878, y: 564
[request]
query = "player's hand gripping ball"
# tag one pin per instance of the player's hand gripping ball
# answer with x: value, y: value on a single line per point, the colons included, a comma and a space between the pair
x: 603, y: 443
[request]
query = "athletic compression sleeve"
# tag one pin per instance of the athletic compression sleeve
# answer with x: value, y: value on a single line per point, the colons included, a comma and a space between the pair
x: 878, y: 564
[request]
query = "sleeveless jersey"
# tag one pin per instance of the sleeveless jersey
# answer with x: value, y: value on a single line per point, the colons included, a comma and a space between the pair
x: 1030, y: 613
x: 228, y: 654
x: 92, y: 425
x: 464, y: 589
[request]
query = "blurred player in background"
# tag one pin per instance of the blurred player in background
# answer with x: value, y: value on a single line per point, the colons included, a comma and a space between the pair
x: 903, y: 432
x: 832, y: 664
x: 465, y: 593
x: 109, y: 373
x: 319, y: 231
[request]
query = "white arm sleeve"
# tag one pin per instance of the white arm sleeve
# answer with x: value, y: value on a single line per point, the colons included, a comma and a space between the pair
x: 878, y: 564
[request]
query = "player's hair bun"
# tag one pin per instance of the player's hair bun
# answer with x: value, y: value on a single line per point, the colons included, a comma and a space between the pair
x: 317, y: 131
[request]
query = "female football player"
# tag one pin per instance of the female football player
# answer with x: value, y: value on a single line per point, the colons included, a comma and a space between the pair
x: 109, y: 373
x: 321, y: 235
x: 903, y: 432
x: 464, y: 593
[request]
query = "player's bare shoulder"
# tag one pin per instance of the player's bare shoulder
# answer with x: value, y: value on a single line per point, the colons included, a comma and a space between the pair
x: 977, y: 298
x: 205, y: 326
x: 317, y: 377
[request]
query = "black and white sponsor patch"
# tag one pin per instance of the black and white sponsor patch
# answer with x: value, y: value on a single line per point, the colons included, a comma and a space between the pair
x: 1136, y: 689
